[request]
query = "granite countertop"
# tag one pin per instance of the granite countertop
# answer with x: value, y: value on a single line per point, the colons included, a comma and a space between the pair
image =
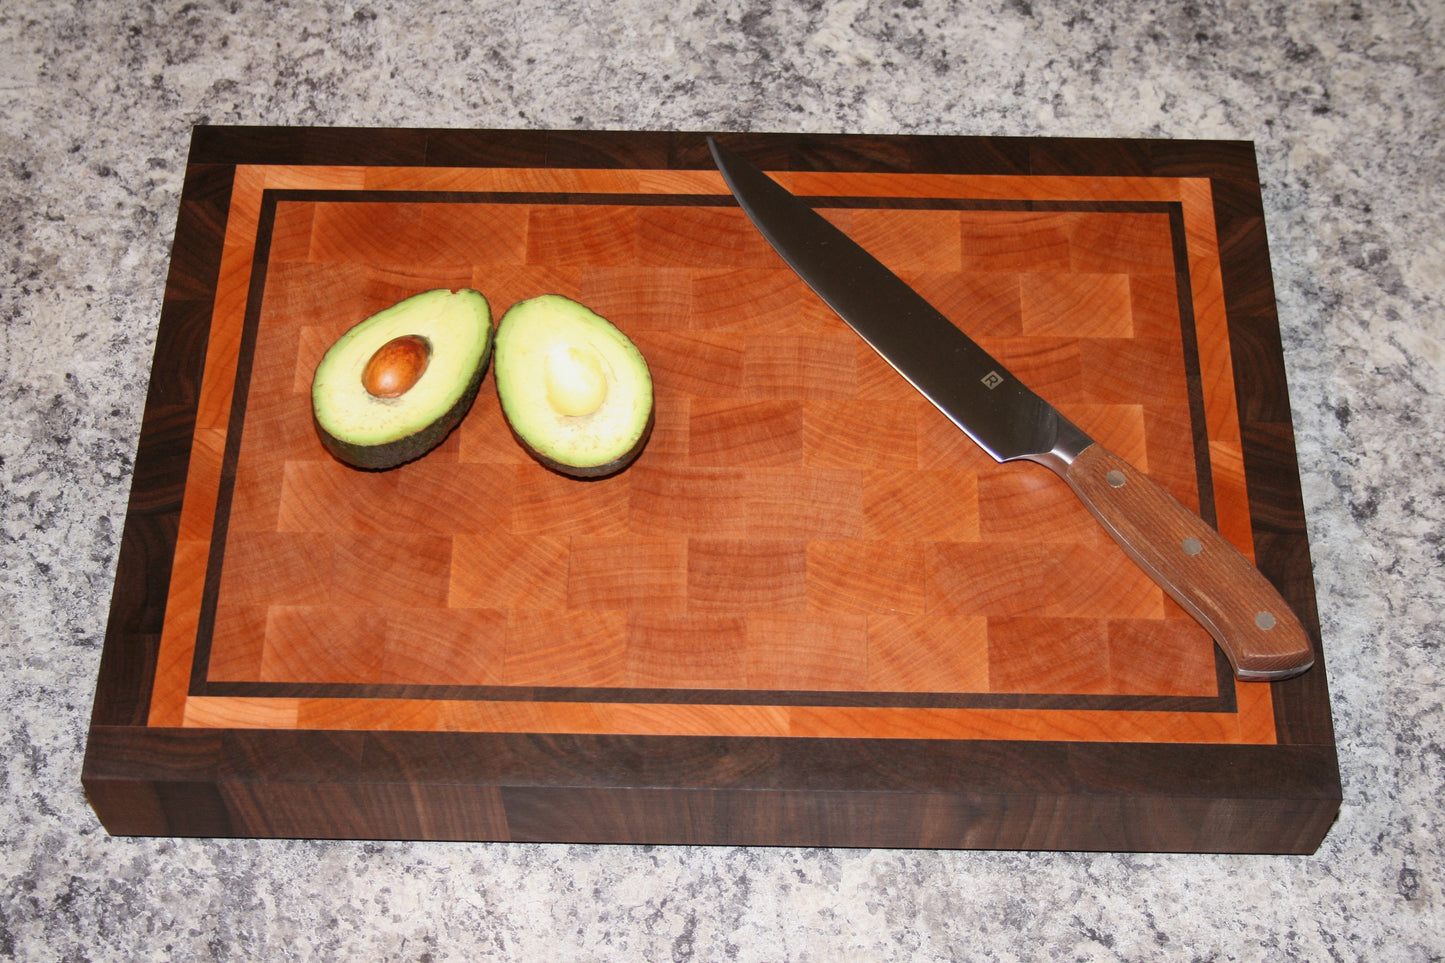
x: 1344, y: 103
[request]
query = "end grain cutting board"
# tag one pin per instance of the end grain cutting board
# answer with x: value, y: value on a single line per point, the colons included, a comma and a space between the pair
x: 812, y: 613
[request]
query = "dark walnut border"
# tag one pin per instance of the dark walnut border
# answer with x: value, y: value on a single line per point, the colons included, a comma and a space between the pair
x: 143, y: 780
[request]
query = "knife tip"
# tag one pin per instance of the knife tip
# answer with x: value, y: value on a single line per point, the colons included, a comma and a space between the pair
x: 720, y: 155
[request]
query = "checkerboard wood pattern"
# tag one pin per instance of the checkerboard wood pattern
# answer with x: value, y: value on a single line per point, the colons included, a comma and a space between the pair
x: 799, y: 511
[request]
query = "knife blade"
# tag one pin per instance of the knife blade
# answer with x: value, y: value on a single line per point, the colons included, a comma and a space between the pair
x: 1210, y: 578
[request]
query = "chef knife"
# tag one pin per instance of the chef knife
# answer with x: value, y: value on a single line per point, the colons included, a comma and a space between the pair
x: 1191, y: 561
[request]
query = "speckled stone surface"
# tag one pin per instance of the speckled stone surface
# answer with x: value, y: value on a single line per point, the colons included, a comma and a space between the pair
x: 1346, y: 104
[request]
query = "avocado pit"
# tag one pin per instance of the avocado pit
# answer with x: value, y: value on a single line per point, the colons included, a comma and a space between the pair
x: 396, y: 366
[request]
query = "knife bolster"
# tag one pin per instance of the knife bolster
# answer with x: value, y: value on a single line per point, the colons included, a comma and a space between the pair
x: 1069, y: 443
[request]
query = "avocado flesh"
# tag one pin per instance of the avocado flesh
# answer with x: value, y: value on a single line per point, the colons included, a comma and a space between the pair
x: 377, y: 433
x: 574, y: 389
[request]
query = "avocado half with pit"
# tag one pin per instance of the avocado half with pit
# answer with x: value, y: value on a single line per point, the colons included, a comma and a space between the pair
x: 574, y: 389
x: 394, y: 386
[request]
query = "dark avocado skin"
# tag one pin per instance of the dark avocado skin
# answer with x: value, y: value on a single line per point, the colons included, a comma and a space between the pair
x: 413, y: 446
x: 592, y: 472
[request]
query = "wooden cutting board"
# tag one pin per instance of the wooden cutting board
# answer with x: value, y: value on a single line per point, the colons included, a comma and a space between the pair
x: 812, y: 612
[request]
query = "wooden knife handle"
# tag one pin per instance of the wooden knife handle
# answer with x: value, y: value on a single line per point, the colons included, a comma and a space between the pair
x: 1202, y: 571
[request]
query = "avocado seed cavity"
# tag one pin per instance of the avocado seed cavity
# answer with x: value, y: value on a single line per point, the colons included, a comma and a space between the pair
x: 576, y: 383
x: 396, y: 366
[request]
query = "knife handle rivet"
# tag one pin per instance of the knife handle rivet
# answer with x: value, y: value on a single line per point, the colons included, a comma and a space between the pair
x: 1115, y: 478
x: 1264, y: 620
x: 1192, y: 546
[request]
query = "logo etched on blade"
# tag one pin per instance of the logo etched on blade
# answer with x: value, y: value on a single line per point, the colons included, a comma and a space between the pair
x: 992, y: 380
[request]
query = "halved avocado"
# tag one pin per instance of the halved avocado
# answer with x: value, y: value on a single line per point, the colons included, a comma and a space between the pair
x: 394, y: 386
x: 575, y: 390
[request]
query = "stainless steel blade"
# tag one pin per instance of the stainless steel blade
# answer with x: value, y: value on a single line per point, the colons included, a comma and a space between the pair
x: 952, y: 371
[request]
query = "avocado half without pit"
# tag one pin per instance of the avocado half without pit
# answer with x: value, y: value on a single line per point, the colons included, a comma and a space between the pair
x: 574, y: 389
x: 394, y: 386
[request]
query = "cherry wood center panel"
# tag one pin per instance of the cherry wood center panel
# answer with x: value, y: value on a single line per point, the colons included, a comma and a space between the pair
x: 807, y: 567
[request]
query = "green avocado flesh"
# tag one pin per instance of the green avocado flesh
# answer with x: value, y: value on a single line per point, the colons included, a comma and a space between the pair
x: 575, y: 390
x: 425, y: 357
